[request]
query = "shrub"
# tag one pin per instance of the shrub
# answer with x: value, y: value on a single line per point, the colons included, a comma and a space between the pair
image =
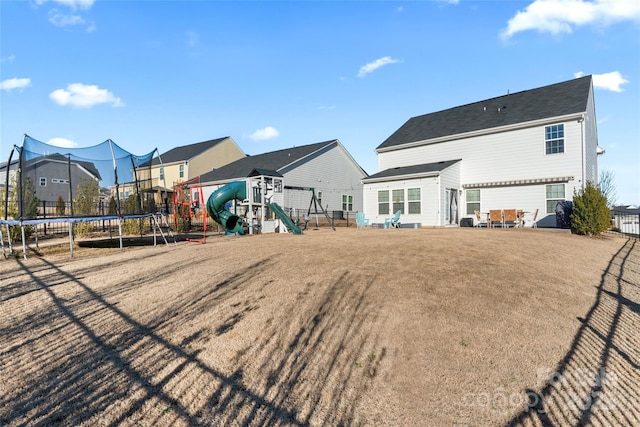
x: 113, y: 206
x: 60, y: 206
x: 29, y: 206
x: 590, y: 216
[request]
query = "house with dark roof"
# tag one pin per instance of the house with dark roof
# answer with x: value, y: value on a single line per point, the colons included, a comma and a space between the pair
x: 52, y: 175
x: 327, y: 167
x: 189, y: 161
x: 527, y: 151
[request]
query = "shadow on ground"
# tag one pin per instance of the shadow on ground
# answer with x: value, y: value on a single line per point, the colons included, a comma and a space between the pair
x: 598, y: 380
x: 78, y: 358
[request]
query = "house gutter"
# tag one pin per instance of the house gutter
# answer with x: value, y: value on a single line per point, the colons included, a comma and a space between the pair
x: 401, y: 177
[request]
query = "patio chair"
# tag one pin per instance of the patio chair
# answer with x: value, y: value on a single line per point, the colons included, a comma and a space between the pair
x: 393, y: 222
x: 509, y: 218
x: 534, y: 220
x: 361, y: 221
x: 495, y: 217
x: 479, y: 221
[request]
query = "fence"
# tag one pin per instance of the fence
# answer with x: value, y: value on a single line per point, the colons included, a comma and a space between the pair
x: 625, y: 222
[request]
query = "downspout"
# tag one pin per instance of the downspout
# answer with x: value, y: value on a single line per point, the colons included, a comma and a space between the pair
x: 583, y: 147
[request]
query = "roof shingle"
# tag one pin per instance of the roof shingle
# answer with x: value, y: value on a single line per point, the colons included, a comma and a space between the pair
x: 545, y: 102
x: 273, y: 161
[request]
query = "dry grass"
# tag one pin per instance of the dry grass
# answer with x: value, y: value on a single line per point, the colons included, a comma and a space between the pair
x: 373, y: 327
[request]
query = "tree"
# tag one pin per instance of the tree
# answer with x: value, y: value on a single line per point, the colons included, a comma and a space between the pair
x: 87, y: 197
x: 29, y: 206
x: 85, y: 203
x: 590, y: 216
x: 607, y: 186
x: 60, y: 206
x: 113, y: 206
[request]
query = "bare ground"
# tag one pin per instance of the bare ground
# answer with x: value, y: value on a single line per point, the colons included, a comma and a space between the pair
x: 353, y: 327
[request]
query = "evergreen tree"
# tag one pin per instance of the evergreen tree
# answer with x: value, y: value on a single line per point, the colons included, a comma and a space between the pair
x: 590, y: 216
x: 60, y: 206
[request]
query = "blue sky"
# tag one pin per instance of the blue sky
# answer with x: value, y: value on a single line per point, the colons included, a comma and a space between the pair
x: 274, y: 74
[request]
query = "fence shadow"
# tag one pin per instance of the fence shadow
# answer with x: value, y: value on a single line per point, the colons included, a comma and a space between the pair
x: 598, y: 380
x: 83, y: 360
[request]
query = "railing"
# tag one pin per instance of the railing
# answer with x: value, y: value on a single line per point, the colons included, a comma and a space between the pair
x: 625, y: 223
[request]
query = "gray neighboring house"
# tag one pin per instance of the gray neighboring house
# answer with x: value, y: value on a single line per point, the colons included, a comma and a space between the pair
x: 327, y: 167
x: 53, y: 175
x: 527, y: 150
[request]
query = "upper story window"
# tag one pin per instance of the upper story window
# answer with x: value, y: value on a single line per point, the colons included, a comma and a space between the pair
x: 554, y: 139
x: 162, y: 174
x: 43, y: 181
x: 181, y: 171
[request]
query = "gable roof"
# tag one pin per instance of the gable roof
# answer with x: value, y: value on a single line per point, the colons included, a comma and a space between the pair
x: 411, y: 171
x: 186, y: 152
x: 555, y: 100
x: 272, y: 161
x: 59, y: 158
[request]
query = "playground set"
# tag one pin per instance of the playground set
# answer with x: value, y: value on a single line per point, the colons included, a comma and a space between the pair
x: 249, y: 206
x: 257, y: 206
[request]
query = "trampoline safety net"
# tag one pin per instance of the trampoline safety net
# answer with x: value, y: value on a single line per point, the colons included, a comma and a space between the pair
x: 43, y: 180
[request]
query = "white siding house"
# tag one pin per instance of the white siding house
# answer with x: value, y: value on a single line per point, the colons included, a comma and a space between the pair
x: 526, y: 151
x: 327, y: 167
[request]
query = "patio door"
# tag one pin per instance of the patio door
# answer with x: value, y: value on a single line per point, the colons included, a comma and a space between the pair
x: 451, y: 206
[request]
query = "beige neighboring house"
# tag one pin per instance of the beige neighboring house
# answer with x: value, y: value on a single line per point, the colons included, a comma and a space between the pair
x: 189, y: 161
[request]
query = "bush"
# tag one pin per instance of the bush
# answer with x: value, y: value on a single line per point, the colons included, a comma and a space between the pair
x: 60, y: 206
x: 590, y: 216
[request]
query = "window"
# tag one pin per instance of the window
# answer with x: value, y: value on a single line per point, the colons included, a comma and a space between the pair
x: 320, y: 198
x: 162, y: 174
x: 59, y: 181
x: 555, y: 194
x: 413, y: 198
x: 554, y: 139
x: 398, y: 200
x: 473, y: 201
x: 181, y: 171
x: 347, y: 202
x: 43, y: 181
x: 277, y: 186
x: 383, y: 202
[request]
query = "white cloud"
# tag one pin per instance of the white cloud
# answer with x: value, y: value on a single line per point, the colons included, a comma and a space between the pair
x: 62, y: 142
x: 264, y: 134
x: 84, y: 96
x: 560, y: 16
x: 64, y: 20
x: 9, y: 58
x: 372, y: 66
x: 73, y: 4
x: 14, y: 83
x: 610, y: 81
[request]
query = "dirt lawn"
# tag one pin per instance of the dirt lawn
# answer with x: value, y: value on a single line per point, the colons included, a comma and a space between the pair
x: 429, y: 327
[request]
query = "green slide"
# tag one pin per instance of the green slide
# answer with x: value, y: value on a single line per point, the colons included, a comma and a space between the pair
x: 232, y: 223
x: 276, y: 209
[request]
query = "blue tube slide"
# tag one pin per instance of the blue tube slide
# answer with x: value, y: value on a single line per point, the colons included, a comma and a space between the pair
x: 231, y: 222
